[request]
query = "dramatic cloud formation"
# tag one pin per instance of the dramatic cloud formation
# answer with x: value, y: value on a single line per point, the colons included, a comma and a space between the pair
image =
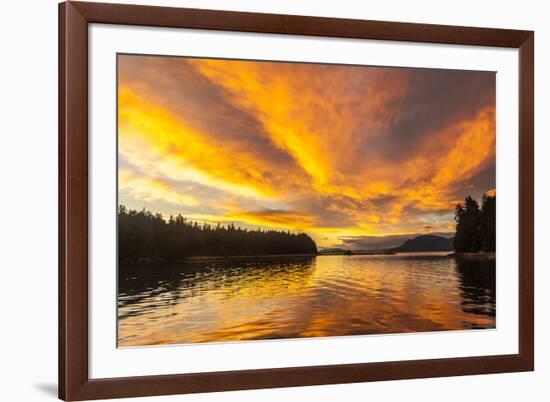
x: 346, y: 153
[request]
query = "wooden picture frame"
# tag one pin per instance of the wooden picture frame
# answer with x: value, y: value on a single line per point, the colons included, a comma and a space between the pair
x: 74, y: 381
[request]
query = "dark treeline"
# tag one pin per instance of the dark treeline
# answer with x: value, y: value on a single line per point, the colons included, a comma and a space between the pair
x: 142, y: 234
x: 475, y: 225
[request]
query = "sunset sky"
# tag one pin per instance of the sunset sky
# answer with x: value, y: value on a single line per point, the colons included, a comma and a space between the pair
x: 357, y: 157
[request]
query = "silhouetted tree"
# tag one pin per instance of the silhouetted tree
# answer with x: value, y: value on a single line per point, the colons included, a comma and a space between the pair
x: 475, y: 227
x: 142, y: 234
x: 488, y: 223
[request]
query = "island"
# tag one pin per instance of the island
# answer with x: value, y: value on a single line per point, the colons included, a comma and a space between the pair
x: 145, y: 237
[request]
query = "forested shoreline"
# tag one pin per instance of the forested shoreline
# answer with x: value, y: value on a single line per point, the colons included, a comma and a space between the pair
x: 147, y: 236
x: 476, y: 225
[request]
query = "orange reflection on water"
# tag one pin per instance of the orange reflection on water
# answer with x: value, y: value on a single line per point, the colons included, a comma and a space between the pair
x: 235, y: 300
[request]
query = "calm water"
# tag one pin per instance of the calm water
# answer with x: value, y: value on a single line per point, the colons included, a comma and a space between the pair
x: 303, y: 297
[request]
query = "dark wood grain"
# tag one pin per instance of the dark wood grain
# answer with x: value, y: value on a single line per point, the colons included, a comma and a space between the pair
x: 527, y: 201
x: 299, y: 376
x: 298, y: 25
x: 62, y: 284
x: 73, y: 196
x: 74, y: 382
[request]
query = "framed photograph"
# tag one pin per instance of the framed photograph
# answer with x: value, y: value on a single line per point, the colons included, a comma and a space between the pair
x: 258, y: 200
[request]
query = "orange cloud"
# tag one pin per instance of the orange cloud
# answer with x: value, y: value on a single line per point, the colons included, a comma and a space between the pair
x: 151, y: 134
x: 357, y: 150
x: 152, y: 189
x: 274, y: 219
x: 314, y: 122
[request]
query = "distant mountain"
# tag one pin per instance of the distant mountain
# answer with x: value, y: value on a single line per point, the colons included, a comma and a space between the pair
x: 425, y: 243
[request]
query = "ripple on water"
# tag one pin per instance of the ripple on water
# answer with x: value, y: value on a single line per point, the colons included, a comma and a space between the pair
x: 318, y: 296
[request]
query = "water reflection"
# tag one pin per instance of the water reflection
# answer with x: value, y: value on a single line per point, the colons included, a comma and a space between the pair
x: 478, y: 285
x: 230, y: 300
